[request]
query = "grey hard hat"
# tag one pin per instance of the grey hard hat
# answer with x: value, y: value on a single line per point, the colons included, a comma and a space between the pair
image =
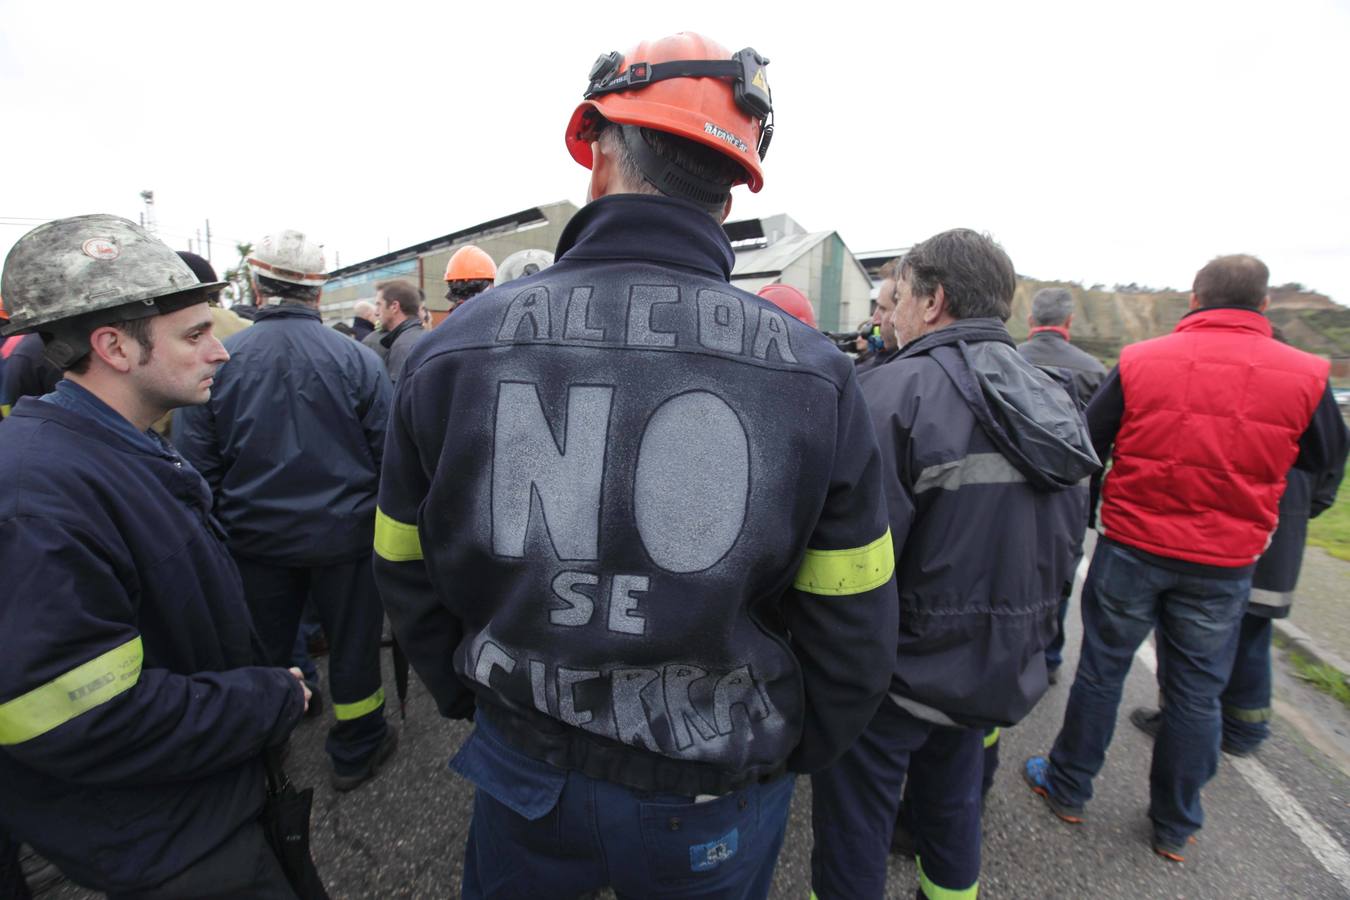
x: 523, y: 263
x: 70, y: 276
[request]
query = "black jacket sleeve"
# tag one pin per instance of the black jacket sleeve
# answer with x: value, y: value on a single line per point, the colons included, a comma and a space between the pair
x: 842, y: 611
x: 1324, y: 443
x: 427, y: 630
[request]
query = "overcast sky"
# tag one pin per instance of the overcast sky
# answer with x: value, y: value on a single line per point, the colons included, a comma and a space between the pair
x: 1098, y: 142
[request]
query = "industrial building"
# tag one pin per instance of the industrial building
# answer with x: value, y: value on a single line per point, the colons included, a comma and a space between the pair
x: 767, y: 250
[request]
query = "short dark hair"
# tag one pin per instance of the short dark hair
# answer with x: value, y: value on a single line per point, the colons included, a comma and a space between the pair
x: 1237, y: 280
x: 299, y: 293
x: 697, y: 159
x: 459, y: 291
x: 976, y: 274
x: 137, y: 329
x: 408, y: 298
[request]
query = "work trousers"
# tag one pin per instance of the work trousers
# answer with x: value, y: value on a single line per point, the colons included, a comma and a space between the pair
x: 540, y: 832
x: 349, y: 607
x: 242, y: 868
x: 1197, y: 617
x: 854, y: 804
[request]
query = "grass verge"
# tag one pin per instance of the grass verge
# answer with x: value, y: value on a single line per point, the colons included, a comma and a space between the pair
x: 1331, y: 530
x: 1327, y: 679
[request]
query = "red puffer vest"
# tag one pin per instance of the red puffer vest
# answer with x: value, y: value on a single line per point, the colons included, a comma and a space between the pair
x: 1213, y: 414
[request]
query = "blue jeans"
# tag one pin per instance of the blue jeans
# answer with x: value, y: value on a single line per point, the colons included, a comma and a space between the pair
x: 540, y: 832
x: 1197, y: 619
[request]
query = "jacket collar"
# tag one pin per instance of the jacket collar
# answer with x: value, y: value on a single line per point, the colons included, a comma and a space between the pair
x: 968, y: 330
x: 645, y: 228
x: 406, y: 325
x: 288, y: 311
x: 1227, y: 318
x: 1049, y: 330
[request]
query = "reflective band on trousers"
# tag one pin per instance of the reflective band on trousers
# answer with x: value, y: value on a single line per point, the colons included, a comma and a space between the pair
x: 1247, y: 715
x: 991, y: 739
x: 977, y: 468
x: 63, y: 698
x: 348, y: 711
x: 937, y: 892
x: 394, y: 540
x: 841, y: 572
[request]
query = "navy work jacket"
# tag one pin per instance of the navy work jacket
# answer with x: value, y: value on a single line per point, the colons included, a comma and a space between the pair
x: 132, y: 718
x: 291, y: 440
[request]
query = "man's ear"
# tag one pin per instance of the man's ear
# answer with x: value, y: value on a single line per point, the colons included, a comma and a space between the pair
x: 1265, y: 302
x: 113, y: 347
x: 726, y: 209
x: 935, y: 306
x: 1195, y: 301
x: 602, y: 173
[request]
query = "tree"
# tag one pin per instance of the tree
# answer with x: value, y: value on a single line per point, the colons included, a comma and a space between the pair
x: 241, y: 286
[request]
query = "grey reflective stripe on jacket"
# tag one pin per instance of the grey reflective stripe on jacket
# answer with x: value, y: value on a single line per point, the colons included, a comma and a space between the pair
x: 977, y: 468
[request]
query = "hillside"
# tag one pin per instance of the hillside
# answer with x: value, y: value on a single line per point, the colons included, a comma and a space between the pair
x: 1104, y: 321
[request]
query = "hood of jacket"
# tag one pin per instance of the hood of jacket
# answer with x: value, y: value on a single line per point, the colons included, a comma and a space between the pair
x: 1025, y: 412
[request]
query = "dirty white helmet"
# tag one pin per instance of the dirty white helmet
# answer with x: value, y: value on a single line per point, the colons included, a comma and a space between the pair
x: 289, y: 256
x: 70, y: 276
x: 523, y: 263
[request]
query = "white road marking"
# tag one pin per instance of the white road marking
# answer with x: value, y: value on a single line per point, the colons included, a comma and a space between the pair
x: 1324, y: 848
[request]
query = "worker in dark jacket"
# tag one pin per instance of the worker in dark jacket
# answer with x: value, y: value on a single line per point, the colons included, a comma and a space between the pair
x: 291, y: 443
x: 1204, y: 425
x: 629, y: 521
x: 882, y: 345
x: 363, y: 320
x: 1048, y: 343
x: 399, y: 306
x: 1049, y: 347
x: 28, y: 373
x: 133, y: 709
x: 980, y: 454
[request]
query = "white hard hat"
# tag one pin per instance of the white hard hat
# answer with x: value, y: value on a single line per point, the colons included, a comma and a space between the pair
x: 287, y: 255
x: 523, y: 263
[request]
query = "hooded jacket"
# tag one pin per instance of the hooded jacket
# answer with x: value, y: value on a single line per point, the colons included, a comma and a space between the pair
x: 291, y: 439
x: 132, y: 716
x: 633, y: 512
x: 982, y: 456
x: 399, y: 343
x: 1048, y: 347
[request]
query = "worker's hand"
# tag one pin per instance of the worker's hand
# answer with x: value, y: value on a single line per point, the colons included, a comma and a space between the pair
x: 300, y: 677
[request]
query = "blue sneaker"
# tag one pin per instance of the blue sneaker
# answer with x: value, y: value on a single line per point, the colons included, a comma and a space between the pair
x: 1036, y: 773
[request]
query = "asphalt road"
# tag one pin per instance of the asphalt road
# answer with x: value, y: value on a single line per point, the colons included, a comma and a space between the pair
x: 402, y: 835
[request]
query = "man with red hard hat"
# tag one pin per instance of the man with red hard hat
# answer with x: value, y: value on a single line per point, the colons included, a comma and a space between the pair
x: 789, y: 300
x: 591, y: 540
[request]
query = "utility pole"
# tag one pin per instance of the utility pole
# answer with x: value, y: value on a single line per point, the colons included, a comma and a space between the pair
x: 208, y: 240
x: 148, y: 217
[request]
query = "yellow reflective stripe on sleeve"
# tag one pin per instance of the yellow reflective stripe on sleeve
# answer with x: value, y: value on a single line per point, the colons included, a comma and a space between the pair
x: 991, y: 739
x: 394, y: 540
x: 841, y: 572
x: 4, y: 410
x: 347, y: 711
x: 937, y: 892
x: 67, y: 696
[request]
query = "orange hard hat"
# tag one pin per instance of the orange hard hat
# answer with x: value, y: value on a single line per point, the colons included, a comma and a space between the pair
x: 686, y: 85
x: 470, y: 264
x: 789, y: 300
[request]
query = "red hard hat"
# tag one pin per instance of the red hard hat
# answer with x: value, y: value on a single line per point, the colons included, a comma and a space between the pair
x: 727, y: 111
x: 4, y: 316
x: 470, y: 264
x: 789, y: 300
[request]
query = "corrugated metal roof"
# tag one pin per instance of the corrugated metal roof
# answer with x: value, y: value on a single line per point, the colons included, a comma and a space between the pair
x: 777, y: 256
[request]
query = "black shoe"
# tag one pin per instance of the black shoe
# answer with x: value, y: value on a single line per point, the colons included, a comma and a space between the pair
x: 377, y: 759
x: 1234, y: 750
x: 1147, y: 720
x: 1052, y: 675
